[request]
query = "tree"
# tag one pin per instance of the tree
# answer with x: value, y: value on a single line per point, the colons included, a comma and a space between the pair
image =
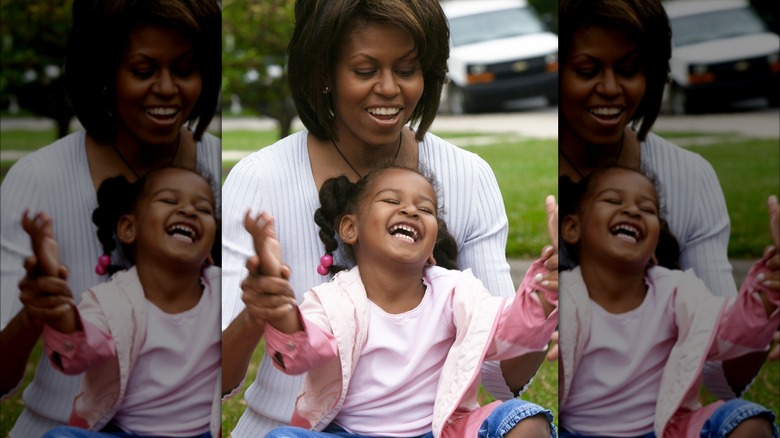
x: 254, y: 53
x: 32, y: 41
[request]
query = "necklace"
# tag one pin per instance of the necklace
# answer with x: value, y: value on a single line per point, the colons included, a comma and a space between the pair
x: 617, y: 157
x: 127, y: 163
x: 400, y: 139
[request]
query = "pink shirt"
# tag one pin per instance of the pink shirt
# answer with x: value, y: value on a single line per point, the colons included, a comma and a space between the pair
x: 393, y: 388
x: 174, y: 375
x: 620, y: 371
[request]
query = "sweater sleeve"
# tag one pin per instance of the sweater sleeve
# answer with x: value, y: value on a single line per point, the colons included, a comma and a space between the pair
x: 79, y: 351
x: 522, y: 327
x: 745, y: 326
x: 298, y: 352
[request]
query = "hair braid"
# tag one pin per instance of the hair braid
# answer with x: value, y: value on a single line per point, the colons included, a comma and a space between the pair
x: 116, y: 197
x: 336, y: 196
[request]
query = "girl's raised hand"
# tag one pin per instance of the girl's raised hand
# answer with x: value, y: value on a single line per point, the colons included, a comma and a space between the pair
x: 44, y: 290
x: 267, y: 247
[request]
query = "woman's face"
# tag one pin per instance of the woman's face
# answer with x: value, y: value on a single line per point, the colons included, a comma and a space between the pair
x: 375, y: 85
x: 602, y: 84
x: 157, y: 85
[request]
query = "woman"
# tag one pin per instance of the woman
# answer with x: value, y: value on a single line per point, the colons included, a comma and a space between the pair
x: 614, y: 65
x: 140, y: 75
x: 360, y: 72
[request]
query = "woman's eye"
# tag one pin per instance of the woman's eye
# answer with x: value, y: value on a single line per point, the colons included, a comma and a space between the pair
x: 142, y: 73
x: 364, y: 73
x: 406, y: 72
x: 586, y: 72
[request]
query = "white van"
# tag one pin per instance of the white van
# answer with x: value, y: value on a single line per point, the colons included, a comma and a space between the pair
x: 721, y: 52
x: 500, y: 50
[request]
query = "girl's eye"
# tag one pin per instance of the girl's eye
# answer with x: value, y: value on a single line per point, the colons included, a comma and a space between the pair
x: 613, y: 201
x: 206, y: 210
x: 169, y: 201
x: 390, y: 201
x: 425, y: 210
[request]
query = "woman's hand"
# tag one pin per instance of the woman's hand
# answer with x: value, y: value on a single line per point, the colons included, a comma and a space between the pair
x: 773, y: 263
x: 267, y: 298
x: 46, y: 299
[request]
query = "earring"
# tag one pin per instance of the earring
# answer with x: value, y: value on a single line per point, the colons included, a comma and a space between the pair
x: 326, y: 90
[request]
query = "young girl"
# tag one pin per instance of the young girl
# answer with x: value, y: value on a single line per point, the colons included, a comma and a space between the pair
x: 634, y: 336
x: 393, y: 347
x: 149, y: 338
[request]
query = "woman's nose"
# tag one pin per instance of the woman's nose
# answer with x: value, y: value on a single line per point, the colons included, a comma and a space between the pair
x: 165, y: 84
x: 609, y: 84
x: 386, y: 84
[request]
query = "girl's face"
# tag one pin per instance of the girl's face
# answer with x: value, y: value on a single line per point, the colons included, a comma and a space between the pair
x: 375, y: 85
x: 617, y: 220
x: 396, y: 220
x: 157, y: 85
x: 602, y: 83
x: 173, y: 220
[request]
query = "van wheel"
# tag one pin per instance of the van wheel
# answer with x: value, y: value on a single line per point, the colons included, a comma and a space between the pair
x: 456, y: 101
x: 678, y: 101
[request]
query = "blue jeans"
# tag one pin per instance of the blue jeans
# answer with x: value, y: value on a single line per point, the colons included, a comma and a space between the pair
x: 721, y: 423
x: 730, y: 414
x: 108, y: 432
x: 496, y: 425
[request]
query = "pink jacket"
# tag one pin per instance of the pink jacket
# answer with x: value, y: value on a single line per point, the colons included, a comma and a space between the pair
x: 335, y: 316
x: 709, y: 327
x: 114, y: 316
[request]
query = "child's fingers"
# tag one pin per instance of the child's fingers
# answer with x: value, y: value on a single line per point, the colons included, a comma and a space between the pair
x: 774, y: 354
x: 774, y: 219
x: 552, y: 353
x: 552, y: 219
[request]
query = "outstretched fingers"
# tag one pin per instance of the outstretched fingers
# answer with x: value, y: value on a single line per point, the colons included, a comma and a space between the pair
x: 552, y: 219
x: 266, y: 245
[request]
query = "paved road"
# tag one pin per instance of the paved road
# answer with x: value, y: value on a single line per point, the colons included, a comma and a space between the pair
x: 533, y: 123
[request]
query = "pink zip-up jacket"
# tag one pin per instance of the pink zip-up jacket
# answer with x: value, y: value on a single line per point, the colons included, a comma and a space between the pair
x: 114, y: 316
x: 335, y: 318
x: 709, y: 327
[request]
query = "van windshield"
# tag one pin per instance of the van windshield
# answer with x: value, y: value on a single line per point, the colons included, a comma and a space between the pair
x: 693, y: 29
x: 470, y: 29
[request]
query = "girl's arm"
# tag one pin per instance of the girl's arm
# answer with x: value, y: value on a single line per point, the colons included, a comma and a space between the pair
x: 297, y: 352
x: 82, y: 349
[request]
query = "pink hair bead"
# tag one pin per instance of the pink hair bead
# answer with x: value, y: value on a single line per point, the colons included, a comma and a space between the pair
x: 104, y: 261
x: 322, y: 270
x: 326, y: 261
x: 100, y: 270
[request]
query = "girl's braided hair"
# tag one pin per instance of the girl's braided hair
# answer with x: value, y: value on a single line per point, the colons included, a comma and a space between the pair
x: 117, y: 197
x: 340, y: 196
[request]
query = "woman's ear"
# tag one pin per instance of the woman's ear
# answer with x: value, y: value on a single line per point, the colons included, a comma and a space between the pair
x: 570, y: 229
x: 348, y: 229
x: 126, y: 229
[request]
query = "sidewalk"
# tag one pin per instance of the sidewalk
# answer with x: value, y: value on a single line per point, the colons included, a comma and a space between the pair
x: 518, y: 267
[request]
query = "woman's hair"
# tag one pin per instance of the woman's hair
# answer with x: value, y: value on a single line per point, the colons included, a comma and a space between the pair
x: 100, y: 33
x: 321, y: 30
x: 118, y: 197
x: 646, y: 22
x: 573, y: 195
x: 339, y: 196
